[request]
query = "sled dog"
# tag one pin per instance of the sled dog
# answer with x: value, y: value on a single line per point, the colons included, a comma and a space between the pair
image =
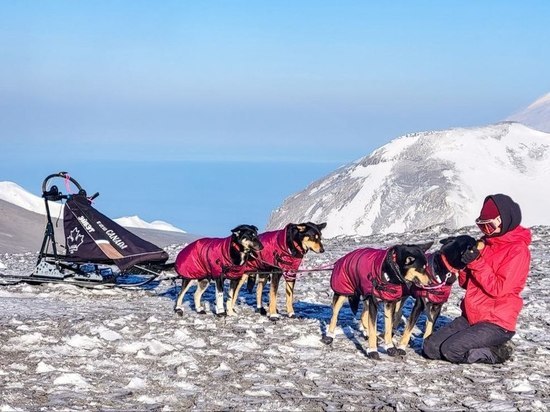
x: 215, y: 259
x: 282, y: 255
x: 377, y: 276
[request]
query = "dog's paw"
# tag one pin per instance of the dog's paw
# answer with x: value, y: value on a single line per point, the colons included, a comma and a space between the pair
x: 261, y: 311
x: 373, y: 355
x: 179, y: 311
x: 401, y: 351
x: 274, y: 317
x: 201, y: 311
x: 393, y: 351
x: 327, y: 340
x: 221, y: 314
x: 292, y: 316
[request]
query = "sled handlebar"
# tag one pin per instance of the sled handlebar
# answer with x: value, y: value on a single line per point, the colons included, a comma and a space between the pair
x: 54, y: 194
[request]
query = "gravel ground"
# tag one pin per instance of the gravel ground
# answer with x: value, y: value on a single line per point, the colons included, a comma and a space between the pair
x: 68, y: 348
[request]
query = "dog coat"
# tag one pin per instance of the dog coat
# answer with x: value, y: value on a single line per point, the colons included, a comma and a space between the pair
x: 276, y: 254
x: 441, y: 292
x: 360, y: 272
x: 207, y: 258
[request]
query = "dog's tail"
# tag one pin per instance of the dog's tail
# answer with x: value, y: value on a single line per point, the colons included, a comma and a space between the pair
x: 251, y: 282
x: 354, y: 303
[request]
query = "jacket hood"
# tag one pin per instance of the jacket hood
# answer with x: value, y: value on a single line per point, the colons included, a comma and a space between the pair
x: 510, y: 212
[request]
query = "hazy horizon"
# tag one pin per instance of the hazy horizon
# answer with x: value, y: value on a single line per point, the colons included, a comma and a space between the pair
x: 201, y: 197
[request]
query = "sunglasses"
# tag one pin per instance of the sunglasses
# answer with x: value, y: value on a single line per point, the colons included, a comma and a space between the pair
x: 489, y: 226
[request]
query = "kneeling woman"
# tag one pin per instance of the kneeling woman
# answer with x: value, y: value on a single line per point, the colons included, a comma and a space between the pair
x: 494, y: 277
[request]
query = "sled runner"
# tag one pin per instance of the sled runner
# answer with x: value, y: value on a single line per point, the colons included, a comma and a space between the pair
x: 97, y: 250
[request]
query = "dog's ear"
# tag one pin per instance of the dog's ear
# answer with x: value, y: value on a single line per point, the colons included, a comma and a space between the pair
x: 254, y: 228
x: 425, y: 246
x: 447, y: 240
x: 321, y: 226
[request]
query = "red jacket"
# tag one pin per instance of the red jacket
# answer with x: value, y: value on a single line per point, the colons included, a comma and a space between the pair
x: 207, y: 258
x: 275, y: 254
x: 360, y: 272
x: 495, y: 280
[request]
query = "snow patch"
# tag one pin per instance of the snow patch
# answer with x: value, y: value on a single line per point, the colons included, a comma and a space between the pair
x: 137, y: 383
x: 308, y: 341
x: 106, y: 333
x: 519, y: 385
x: 132, y: 348
x: 73, y: 379
x: 26, y: 340
x: 8, y: 408
x: 244, y: 346
x: 158, y: 348
x: 188, y: 387
x: 44, y: 368
x: 83, y: 342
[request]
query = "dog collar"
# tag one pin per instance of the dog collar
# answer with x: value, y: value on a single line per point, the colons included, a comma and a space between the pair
x: 391, y: 259
x: 235, y: 245
x: 298, y: 248
x: 448, y: 266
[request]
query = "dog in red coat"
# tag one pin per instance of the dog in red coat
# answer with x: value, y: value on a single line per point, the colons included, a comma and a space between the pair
x: 215, y: 259
x: 281, y: 256
x: 376, y: 276
x: 444, y: 266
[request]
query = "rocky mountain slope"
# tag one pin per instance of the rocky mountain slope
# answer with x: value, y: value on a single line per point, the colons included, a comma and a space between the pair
x: 426, y: 179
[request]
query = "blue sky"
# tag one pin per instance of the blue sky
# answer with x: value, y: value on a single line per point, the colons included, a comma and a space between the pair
x: 322, y: 82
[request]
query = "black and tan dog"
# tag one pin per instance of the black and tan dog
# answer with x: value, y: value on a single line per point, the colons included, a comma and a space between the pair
x: 376, y: 275
x: 444, y: 266
x: 282, y: 255
x: 215, y: 259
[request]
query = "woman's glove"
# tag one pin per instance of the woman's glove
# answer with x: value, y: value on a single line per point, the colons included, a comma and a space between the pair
x: 469, y: 255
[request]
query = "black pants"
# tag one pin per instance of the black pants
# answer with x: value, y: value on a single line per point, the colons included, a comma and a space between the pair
x: 460, y: 342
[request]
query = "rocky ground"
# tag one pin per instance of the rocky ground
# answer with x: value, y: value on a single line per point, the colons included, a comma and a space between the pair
x: 68, y: 348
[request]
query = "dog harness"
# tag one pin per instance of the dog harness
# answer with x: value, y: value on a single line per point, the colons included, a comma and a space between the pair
x: 276, y: 254
x: 360, y: 272
x: 445, y: 277
x: 208, y: 258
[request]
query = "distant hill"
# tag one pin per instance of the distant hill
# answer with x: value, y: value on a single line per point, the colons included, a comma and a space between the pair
x: 20, y: 230
x: 536, y: 115
x: 23, y: 221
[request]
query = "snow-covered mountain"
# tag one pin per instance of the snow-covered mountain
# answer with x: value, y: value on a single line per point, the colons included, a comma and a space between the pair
x: 430, y: 178
x: 16, y: 195
x: 536, y: 115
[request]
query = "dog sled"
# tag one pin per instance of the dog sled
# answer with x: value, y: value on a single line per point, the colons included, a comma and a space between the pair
x: 96, y: 250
